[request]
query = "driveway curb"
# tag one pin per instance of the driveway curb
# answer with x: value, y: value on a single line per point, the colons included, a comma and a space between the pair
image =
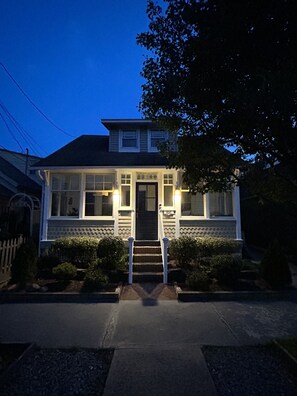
x: 193, y: 296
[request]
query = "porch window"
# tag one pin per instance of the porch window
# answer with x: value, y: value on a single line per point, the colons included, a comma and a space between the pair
x: 65, y: 195
x: 220, y: 204
x: 129, y: 140
x: 125, y: 190
x: 168, y: 190
x: 156, y: 137
x: 191, y: 204
x: 98, y: 194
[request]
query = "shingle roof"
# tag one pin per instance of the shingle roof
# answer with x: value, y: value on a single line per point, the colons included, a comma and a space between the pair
x: 92, y: 151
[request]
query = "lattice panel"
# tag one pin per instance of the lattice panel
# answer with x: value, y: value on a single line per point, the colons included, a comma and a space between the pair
x: 220, y: 232
x: 93, y: 232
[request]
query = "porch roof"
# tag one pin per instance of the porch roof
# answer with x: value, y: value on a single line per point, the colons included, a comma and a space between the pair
x: 92, y: 151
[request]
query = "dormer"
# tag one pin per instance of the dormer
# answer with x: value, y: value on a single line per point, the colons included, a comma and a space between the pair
x: 134, y: 135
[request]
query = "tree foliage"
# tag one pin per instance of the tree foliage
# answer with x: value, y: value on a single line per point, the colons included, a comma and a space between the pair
x: 224, y: 72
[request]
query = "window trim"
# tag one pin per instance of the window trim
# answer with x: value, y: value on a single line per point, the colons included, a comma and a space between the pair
x: 129, y: 149
x: 51, y: 191
x: 192, y: 217
x: 120, y: 191
x: 84, y: 191
x: 171, y: 207
x: 152, y: 149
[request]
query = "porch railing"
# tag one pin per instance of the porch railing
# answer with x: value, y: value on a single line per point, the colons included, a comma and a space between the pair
x: 164, y: 247
x: 131, y: 246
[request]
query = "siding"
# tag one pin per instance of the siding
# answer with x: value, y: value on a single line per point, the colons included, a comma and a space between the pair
x: 143, y: 140
x: 80, y: 228
x: 114, y: 140
x: 212, y: 228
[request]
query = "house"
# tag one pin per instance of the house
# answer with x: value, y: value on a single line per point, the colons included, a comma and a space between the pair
x: 118, y: 184
x: 20, y: 193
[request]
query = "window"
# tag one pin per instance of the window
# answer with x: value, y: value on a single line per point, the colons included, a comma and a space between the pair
x: 156, y: 137
x: 191, y: 204
x: 168, y: 189
x: 99, y: 194
x: 220, y: 204
x: 126, y: 190
x: 129, y: 140
x: 65, y: 195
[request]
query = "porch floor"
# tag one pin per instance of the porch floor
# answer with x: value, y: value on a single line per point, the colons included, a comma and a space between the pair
x: 148, y: 291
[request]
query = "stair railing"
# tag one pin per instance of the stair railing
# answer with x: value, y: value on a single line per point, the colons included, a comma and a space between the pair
x: 164, y: 246
x: 131, y: 246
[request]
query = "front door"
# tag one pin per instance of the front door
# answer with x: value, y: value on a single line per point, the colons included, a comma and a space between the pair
x: 146, y: 211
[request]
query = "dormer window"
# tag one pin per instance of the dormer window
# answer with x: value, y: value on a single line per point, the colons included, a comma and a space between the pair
x: 155, y: 138
x: 129, y: 140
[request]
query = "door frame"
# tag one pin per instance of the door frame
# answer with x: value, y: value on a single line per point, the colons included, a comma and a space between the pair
x: 147, y: 182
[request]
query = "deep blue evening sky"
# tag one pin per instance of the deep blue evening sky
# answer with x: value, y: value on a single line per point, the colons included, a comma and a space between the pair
x: 76, y: 59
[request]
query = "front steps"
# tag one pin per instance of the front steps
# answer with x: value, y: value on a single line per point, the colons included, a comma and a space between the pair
x: 147, y: 262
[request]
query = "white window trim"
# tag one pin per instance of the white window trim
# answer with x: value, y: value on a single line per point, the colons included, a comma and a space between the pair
x: 194, y: 217
x: 149, y: 146
x: 50, y: 189
x: 172, y: 207
x: 129, y: 149
x: 120, y: 191
x: 84, y: 191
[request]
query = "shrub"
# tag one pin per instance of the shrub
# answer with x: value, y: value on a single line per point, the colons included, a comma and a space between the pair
x: 198, y: 280
x: 226, y: 269
x: 210, y: 246
x: 110, y: 252
x: 95, y: 279
x: 78, y: 250
x: 274, y: 267
x: 64, y: 272
x: 24, y: 266
x: 184, y: 250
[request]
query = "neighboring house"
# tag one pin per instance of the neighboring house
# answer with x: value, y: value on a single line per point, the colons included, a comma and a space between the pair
x: 118, y: 184
x: 20, y: 193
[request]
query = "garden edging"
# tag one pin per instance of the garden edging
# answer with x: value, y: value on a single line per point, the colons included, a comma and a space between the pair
x: 35, y: 297
x: 197, y: 296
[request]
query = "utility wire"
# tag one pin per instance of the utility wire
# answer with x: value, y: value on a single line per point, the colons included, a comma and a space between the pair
x: 10, y: 131
x: 32, y: 103
x: 26, y: 135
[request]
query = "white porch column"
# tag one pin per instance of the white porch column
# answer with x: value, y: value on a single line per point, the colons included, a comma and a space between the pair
x: 236, y: 211
x: 116, y: 203
x: 46, y: 200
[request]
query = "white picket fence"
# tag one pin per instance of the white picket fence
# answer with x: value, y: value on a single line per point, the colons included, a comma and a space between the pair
x: 8, y: 250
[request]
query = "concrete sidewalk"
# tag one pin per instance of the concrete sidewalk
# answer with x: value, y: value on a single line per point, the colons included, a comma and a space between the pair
x: 157, y: 342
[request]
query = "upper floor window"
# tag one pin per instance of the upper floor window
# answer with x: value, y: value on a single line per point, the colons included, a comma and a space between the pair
x: 220, y: 204
x: 65, y: 190
x: 155, y: 138
x: 99, y: 194
x: 129, y: 140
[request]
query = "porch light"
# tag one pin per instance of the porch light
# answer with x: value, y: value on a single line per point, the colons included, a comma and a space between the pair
x: 177, y: 195
x: 116, y: 195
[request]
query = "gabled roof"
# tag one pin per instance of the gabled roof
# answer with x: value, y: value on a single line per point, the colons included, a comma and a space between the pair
x: 92, y: 151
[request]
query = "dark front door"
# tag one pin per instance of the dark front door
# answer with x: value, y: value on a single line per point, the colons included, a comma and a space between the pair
x: 146, y: 211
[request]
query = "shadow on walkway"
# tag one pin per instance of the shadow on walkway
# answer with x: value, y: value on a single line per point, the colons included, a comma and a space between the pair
x: 149, y: 293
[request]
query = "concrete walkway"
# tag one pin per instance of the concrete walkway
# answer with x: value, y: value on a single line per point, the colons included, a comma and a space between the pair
x: 157, y: 342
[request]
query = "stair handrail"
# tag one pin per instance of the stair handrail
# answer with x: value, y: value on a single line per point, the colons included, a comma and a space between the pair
x: 131, y: 246
x: 164, y: 246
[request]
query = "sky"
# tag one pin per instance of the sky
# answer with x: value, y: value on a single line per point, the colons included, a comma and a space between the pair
x: 77, y: 60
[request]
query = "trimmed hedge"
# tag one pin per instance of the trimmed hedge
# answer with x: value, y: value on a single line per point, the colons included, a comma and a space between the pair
x: 64, y: 272
x: 211, y: 246
x: 95, y: 279
x: 81, y: 251
x: 226, y: 269
x: 184, y: 250
x: 110, y: 252
x: 198, y: 280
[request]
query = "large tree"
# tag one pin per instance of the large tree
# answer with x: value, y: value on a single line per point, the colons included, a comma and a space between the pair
x: 224, y: 73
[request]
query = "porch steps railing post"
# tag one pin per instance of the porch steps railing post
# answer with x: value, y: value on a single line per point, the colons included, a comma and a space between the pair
x: 165, y: 258
x: 131, y: 243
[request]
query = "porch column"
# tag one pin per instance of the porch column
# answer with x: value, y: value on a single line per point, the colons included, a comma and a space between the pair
x: 116, y: 203
x: 236, y: 211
